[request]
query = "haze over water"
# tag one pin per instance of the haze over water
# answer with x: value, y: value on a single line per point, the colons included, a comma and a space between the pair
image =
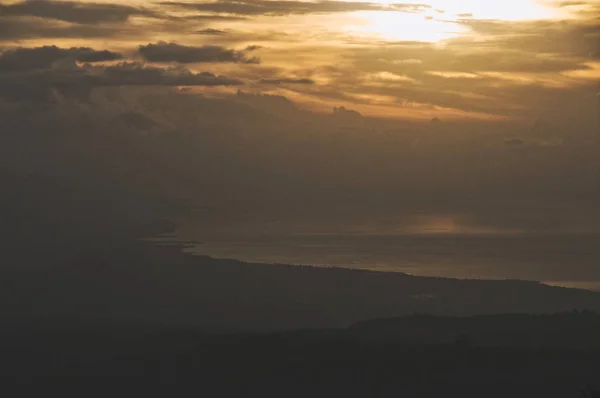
x: 431, y: 246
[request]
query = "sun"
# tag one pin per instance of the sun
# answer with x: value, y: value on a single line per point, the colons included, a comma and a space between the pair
x: 441, y: 19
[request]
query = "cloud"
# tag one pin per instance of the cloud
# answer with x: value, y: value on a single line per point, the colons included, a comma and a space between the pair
x: 513, y: 61
x: 213, y: 32
x: 278, y: 8
x: 19, y: 28
x: 26, y: 27
x: 574, y: 38
x: 164, y: 52
x: 572, y: 3
x: 385, y: 76
x: 410, y: 61
x: 136, y: 74
x: 70, y: 11
x: 287, y: 81
x: 26, y: 59
x: 210, y: 17
x: 40, y: 81
x: 83, y: 19
x: 454, y: 75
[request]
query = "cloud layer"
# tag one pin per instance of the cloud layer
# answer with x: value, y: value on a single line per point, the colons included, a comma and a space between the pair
x: 36, y: 74
x: 322, y: 54
x: 72, y: 11
x: 282, y: 7
x: 26, y: 59
x: 172, y: 52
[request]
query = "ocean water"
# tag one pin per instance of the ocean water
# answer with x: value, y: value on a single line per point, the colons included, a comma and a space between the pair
x: 561, y: 259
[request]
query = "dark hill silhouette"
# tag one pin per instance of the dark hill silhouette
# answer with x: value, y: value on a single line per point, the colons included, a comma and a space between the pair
x: 566, y: 330
x: 148, y: 360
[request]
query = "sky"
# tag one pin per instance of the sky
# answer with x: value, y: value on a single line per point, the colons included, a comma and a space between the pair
x: 454, y: 116
x: 451, y: 59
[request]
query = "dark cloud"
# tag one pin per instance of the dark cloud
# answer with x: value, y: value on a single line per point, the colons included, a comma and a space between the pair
x: 212, y: 32
x: 26, y: 59
x: 287, y: 81
x: 34, y: 83
x: 172, y: 52
x: 261, y: 7
x: 19, y: 28
x: 24, y: 28
x: 76, y: 12
x: 136, y: 74
x: 73, y: 19
x: 210, y: 17
x: 89, y: 55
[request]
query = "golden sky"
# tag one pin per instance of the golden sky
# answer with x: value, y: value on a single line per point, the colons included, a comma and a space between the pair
x: 510, y: 59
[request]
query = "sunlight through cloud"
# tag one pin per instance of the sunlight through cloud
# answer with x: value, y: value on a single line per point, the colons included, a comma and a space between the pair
x: 441, y: 20
x: 401, y: 26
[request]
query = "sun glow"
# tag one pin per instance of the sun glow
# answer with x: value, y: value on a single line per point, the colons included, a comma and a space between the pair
x: 505, y: 10
x: 402, y: 26
x: 442, y: 19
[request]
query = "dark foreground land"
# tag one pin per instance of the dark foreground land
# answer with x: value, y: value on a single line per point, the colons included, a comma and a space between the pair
x: 418, y: 356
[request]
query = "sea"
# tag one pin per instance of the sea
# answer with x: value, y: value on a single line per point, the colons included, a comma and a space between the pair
x: 559, y: 258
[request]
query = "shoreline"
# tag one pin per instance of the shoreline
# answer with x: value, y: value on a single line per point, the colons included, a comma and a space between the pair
x: 189, y: 247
